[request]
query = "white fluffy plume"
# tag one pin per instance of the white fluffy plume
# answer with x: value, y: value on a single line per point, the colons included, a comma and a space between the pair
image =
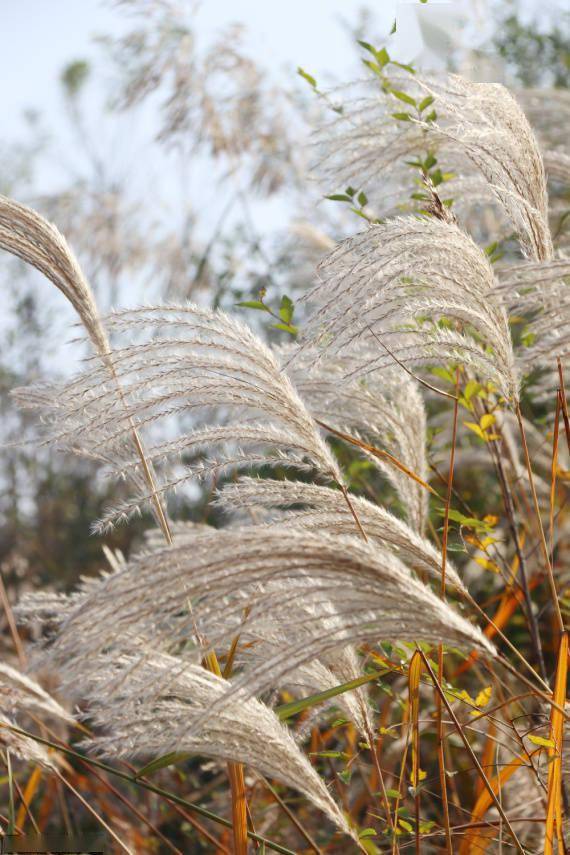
x: 25, y: 233
x: 386, y: 409
x: 477, y: 125
x: 419, y: 290
x: 320, y: 508
x: 21, y: 695
x: 349, y: 592
x: 141, y: 723
x: 191, y: 360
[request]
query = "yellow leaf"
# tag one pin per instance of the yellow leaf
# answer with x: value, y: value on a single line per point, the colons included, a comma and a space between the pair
x: 476, y: 429
x: 488, y: 565
x: 540, y: 740
x: 483, y: 697
x: 465, y: 696
x: 491, y: 519
x: 487, y: 420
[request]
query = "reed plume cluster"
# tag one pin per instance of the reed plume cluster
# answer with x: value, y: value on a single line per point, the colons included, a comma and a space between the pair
x: 209, y: 640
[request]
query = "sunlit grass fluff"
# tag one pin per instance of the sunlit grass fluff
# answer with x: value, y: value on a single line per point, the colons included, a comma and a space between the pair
x: 189, y: 360
x: 480, y: 131
x: 237, y: 578
x: 139, y: 722
x: 418, y: 291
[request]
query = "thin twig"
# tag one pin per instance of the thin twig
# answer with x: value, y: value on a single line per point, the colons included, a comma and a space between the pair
x: 472, y: 754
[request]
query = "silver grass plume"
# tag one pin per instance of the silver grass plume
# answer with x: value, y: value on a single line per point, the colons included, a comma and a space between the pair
x: 51, y: 610
x: 21, y: 695
x: 385, y: 409
x: 319, y: 508
x: 396, y: 288
x: 192, y: 359
x: 486, y: 122
x: 539, y: 291
x: 26, y: 234
x: 137, y: 723
x: 477, y: 124
x: 236, y: 579
x: 23, y: 232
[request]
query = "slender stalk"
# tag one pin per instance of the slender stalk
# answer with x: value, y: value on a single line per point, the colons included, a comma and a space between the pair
x: 92, y: 811
x: 439, y: 709
x: 140, y: 782
x: 554, y: 467
x: 473, y: 756
x: 530, y: 616
x: 12, y: 623
x: 286, y: 810
x: 564, y: 402
x: 543, y: 544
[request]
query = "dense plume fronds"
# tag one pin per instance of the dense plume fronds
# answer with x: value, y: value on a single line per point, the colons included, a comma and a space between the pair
x: 237, y: 577
x: 418, y: 291
x: 548, y: 111
x: 319, y: 508
x: 23, y: 747
x: 20, y: 693
x: 22, y: 696
x: 477, y: 124
x: 485, y: 121
x: 386, y: 409
x: 192, y: 358
x: 24, y: 233
x: 539, y: 291
x: 557, y: 165
x: 139, y: 723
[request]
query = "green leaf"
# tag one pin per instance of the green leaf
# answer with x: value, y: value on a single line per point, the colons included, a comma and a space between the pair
x: 253, y: 304
x: 285, y: 711
x: 403, y: 117
x: 286, y: 309
x: 383, y: 57
x: 443, y: 373
x: 394, y: 28
x: 332, y: 754
x: 403, y: 96
x: 308, y: 77
x: 350, y: 191
x: 359, y: 214
x: 393, y: 794
x: 290, y: 328
x: 163, y: 762
x: 469, y: 522
x: 432, y: 117
x: 430, y: 161
x: 367, y: 46
x: 367, y: 832
x: 362, y: 199
x: 339, y: 197
x: 426, y: 103
x: 373, y: 66
x: 345, y: 776
x: 472, y: 388
x: 403, y: 65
